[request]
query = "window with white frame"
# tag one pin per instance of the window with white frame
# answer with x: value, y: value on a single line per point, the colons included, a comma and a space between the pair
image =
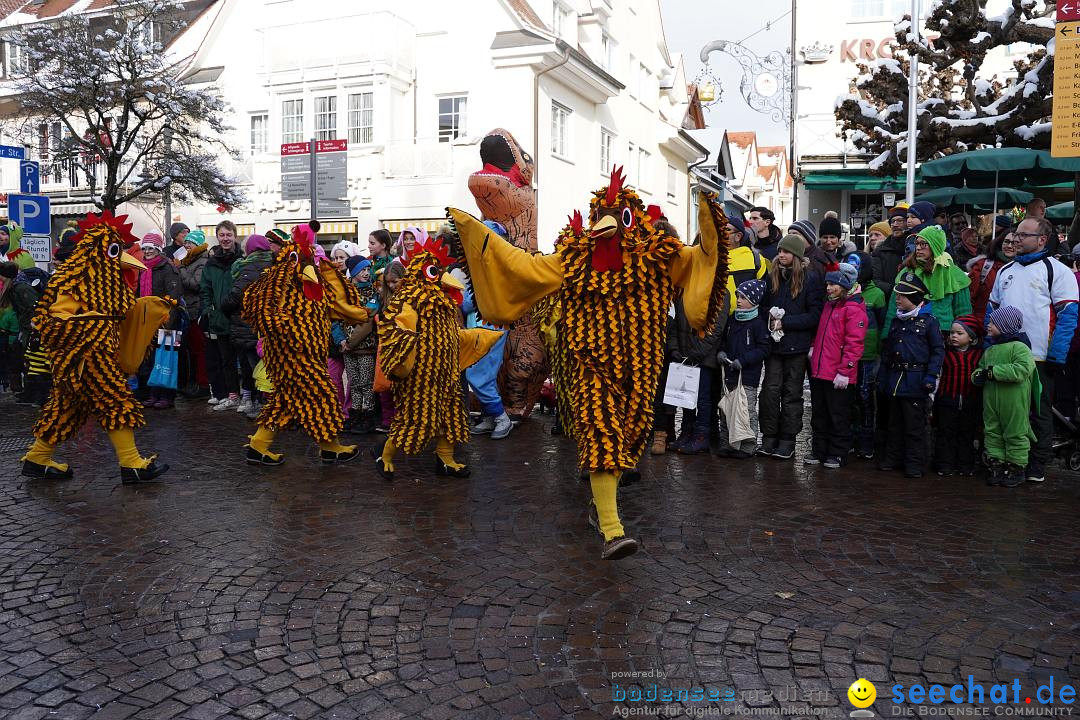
x: 607, y: 52
x: 634, y: 69
x: 260, y: 133
x: 607, y: 151
x: 560, y: 130
x: 452, y: 117
x: 292, y: 121
x: 672, y: 181
x: 326, y: 117
x: 643, y: 168
x: 361, y: 118
x: 13, y: 58
x: 562, y: 20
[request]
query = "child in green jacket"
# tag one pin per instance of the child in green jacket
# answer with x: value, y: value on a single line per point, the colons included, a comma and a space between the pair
x: 863, y: 416
x: 1009, y: 381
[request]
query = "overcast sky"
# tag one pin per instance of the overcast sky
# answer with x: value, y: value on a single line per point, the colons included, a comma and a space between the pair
x: 690, y: 24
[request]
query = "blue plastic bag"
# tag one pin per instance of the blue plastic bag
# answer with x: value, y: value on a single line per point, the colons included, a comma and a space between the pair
x: 166, y: 364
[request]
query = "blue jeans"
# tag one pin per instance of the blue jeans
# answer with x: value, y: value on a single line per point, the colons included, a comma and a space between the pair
x: 482, y: 378
x: 704, y: 402
x: 863, y: 411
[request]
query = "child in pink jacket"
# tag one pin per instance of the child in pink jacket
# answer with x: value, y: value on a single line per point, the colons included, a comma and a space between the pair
x: 834, y: 363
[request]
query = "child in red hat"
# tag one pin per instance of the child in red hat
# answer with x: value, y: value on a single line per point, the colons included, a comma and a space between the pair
x: 958, y: 405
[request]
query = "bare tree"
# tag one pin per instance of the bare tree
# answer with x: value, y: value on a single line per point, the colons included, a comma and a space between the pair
x: 960, y: 107
x: 131, y: 125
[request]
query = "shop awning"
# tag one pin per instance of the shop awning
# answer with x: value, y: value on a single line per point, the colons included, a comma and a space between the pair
x: 396, y: 226
x: 853, y: 180
x: 325, y: 228
x: 241, y: 230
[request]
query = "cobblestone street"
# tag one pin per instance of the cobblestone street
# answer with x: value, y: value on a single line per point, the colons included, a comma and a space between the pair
x: 307, y: 592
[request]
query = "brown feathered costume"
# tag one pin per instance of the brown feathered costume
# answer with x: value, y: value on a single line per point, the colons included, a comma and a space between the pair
x: 423, y: 349
x: 615, y: 283
x: 96, y: 334
x: 291, y: 306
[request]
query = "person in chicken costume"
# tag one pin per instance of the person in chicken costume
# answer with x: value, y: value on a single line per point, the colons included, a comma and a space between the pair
x: 423, y: 350
x: 96, y: 334
x: 291, y: 307
x: 615, y: 283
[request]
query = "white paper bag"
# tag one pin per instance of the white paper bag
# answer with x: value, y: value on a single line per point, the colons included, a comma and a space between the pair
x: 682, y: 386
x: 736, y: 413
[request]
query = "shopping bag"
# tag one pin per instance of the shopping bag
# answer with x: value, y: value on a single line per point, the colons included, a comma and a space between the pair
x: 736, y: 413
x: 166, y: 363
x: 681, y: 389
x: 382, y: 383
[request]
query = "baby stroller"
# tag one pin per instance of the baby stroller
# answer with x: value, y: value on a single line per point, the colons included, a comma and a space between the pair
x: 1066, y: 437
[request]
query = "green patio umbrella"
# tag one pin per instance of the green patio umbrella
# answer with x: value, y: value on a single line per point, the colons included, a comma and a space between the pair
x: 993, y: 167
x: 948, y: 196
x: 1061, y: 213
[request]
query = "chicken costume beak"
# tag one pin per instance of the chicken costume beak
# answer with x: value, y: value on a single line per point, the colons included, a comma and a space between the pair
x: 452, y: 287
x: 130, y: 267
x: 605, y: 227
x: 313, y: 289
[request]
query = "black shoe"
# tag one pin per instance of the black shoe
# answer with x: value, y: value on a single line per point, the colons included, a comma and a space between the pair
x: 442, y: 468
x: 131, y: 476
x: 865, y: 454
x: 1012, y: 476
x: 832, y: 462
x: 785, y: 449
x: 619, y: 547
x: 254, y: 457
x: 741, y: 454
x: 629, y: 477
x: 330, y: 457
x: 768, y: 446
x: 557, y: 428
x: 886, y: 466
x: 44, y: 472
x: 380, y: 466
x: 944, y: 472
x: 913, y: 474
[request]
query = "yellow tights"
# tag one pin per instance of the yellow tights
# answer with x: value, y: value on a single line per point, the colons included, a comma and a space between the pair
x: 123, y: 441
x: 260, y: 442
x: 388, y: 452
x: 41, y: 453
x: 445, y: 451
x: 605, y: 484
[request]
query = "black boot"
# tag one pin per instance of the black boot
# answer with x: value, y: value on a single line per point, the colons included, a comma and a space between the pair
x: 131, y: 476
x: 1012, y: 475
x: 44, y: 472
x: 997, y: 471
x: 768, y: 446
x: 785, y: 449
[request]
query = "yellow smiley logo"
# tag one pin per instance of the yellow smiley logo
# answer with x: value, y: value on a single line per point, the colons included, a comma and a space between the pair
x: 862, y: 693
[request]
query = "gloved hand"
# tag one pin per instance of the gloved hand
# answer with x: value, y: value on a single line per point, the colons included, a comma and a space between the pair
x: 722, y: 357
x: 734, y: 364
x: 841, y: 381
x: 978, y: 378
x: 930, y: 384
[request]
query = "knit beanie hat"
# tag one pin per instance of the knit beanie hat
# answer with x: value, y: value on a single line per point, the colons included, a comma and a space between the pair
x: 795, y: 245
x: 804, y: 228
x: 356, y: 264
x: 152, y: 239
x: 256, y: 243
x: 935, y: 238
x: 176, y: 228
x: 882, y: 227
x: 972, y: 324
x: 861, y: 262
x: 1008, y: 319
x: 198, y: 237
x: 752, y: 290
x: 277, y: 235
x: 845, y: 276
x: 9, y: 270
x: 1003, y: 222
x: 830, y: 226
x: 923, y: 210
x: 847, y: 248
x: 349, y: 248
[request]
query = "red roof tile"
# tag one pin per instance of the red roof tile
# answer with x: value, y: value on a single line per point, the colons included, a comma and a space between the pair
x: 742, y: 139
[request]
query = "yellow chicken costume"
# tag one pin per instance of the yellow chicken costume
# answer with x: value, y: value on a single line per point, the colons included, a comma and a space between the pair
x: 615, y: 283
x: 291, y: 307
x: 423, y: 350
x: 96, y: 334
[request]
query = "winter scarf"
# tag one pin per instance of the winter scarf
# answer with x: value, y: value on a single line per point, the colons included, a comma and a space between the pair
x: 1010, y: 337
x: 265, y: 256
x: 907, y: 314
x: 744, y: 315
x: 146, y: 277
x: 194, y: 255
x: 945, y: 278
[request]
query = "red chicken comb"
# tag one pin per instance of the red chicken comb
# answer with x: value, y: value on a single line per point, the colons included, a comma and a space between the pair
x: 304, y: 237
x: 116, y: 222
x: 616, y: 184
x: 654, y: 212
x: 439, y: 249
x: 576, y: 223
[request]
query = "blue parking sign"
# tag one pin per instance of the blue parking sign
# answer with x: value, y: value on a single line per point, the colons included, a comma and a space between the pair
x: 31, y: 213
x: 29, y: 176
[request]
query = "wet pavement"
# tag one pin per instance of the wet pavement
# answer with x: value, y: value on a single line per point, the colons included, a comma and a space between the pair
x: 314, y: 592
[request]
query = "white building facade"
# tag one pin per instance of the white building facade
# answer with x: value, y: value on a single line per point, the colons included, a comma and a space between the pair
x: 413, y: 87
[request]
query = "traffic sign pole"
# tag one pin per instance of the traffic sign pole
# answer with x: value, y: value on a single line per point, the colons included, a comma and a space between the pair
x: 314, y: 187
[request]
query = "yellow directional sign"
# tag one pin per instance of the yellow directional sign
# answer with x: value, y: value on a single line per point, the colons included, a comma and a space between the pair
x: 1065, y: 140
